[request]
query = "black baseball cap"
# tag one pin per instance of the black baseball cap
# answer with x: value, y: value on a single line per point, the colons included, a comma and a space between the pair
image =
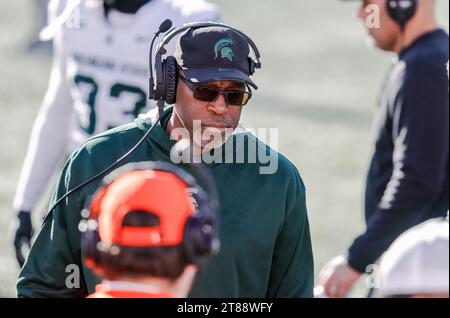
x: 214, y: 54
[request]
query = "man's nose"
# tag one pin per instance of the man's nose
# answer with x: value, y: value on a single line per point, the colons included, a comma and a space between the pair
x: 219, y: 106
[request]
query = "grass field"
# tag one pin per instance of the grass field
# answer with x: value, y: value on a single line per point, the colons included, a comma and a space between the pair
x: 318, y: 85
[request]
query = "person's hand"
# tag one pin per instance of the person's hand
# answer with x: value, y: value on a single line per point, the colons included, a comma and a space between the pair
x: 337, y: 278
x: 22, y: 231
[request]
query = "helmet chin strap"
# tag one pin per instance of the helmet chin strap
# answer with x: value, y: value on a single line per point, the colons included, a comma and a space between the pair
x: 125, y: 6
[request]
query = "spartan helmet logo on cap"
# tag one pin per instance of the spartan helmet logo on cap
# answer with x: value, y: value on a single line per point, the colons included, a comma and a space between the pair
x: 223, y: 47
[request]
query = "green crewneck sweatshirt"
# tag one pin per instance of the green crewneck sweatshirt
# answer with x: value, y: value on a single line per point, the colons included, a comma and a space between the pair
x: 264, y: 230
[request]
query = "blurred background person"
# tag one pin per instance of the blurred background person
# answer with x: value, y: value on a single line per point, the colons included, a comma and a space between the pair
x: 137, y: 243
x: 416, y: 265
x: 99, y: 80
x: 408, y: 179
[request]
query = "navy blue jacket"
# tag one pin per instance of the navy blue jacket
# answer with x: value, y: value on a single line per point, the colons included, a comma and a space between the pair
x: 408, y: 179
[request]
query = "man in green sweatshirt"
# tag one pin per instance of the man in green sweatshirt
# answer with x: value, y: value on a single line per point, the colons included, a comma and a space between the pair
x: 264, y: 230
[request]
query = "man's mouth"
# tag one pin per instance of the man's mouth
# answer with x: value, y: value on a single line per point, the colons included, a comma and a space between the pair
x: 220, y: 126
x: 213, y: 134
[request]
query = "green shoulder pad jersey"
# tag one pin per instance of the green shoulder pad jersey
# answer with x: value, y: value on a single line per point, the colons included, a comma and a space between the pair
x: 264, y: 230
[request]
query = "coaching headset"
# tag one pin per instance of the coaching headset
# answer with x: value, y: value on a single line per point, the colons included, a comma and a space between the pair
x: 163, y: 87
x: 401, y: 11
x: 200, y: 238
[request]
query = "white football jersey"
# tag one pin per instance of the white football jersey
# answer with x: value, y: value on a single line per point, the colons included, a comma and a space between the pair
x: 106, y: 60
x: 99, y: 78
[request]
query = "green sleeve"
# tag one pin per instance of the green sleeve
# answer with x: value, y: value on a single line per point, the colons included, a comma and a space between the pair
x: 292, y: 273
x: 55, y: 255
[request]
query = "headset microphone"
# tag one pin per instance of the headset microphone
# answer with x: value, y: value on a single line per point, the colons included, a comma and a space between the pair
x: 165, y: 26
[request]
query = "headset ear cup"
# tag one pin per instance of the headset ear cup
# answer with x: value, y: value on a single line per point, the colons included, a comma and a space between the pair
x: 171, y: 79
x: 198, y: 240
x: 91, y: 238
x: 392, y: 10
x: 188, y: 246
x: 401, y: 15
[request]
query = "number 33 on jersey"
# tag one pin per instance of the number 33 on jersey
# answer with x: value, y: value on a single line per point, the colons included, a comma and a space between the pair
x: 105, y: 60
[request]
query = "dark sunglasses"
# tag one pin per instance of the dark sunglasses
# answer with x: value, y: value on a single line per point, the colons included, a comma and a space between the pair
x: 208, y: 94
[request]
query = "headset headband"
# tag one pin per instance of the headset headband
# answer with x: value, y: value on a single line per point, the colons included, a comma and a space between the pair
x: 160, y: 50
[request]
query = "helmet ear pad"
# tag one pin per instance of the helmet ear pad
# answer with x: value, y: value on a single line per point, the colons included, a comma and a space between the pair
x: 171, y: 79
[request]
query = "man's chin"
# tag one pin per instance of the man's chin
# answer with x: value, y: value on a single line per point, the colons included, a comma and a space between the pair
x: 213, y: 138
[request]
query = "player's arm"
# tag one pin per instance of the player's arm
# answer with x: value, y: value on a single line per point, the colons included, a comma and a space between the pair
x: 292, y: 273
x: 420, y: 161
x: 47, y: 146
x: 49, y: 136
